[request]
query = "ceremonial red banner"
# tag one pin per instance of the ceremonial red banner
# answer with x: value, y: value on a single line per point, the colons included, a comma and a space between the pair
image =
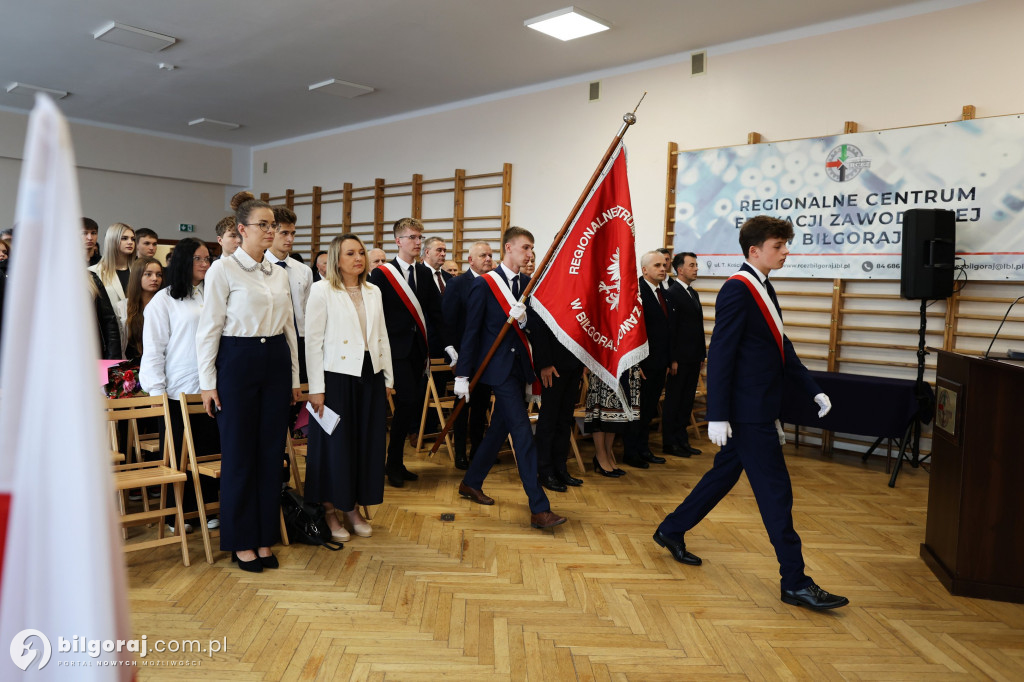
x: 589, y: 295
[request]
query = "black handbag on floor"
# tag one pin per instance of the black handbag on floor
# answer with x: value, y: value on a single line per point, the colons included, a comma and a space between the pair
x: 305, y: 522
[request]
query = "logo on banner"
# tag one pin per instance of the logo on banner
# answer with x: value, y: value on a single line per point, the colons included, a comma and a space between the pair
x: 23, y: 653
x: 845, y: 162
x: 611, y: 291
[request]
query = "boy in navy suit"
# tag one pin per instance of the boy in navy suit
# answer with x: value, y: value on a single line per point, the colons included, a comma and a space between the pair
x: 493, y: 299
x: 749, y: 360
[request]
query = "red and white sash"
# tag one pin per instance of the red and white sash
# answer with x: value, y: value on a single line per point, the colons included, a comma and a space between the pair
x: 767, y: 306
x: 503, y: 295
x: 407, y: 295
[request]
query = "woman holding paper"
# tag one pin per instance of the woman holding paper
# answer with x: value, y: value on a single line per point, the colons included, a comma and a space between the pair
x: 348, y: 359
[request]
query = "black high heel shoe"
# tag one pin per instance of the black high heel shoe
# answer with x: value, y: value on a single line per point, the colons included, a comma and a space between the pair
x: 254, y: 566
x: 604, y: 472
x: 268, y: 561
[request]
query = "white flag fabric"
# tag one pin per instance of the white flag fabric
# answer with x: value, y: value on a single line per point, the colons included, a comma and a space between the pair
x: 63, y: 572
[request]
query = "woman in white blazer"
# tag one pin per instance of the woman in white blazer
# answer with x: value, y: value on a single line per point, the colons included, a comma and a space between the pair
x: 348, y: 361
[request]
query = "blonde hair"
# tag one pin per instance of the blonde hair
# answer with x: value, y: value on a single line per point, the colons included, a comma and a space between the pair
x: 111, y: 248
x: 333, y: 276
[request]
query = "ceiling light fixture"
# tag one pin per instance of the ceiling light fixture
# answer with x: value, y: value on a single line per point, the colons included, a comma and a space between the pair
x: 341, y: 88
x: 135, y: 38
x: 26, y: 89
x: 213, y: 124
x: 567, y: 24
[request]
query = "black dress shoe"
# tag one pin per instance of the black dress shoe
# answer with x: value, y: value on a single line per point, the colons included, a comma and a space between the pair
x: 677, y: 548
x: 636, y: 461
x: 551, y: 482
x: 649, y: 456
x: 675, y: 450
x: 566, y: 479
x: 690, y: 449
x: 254, y: 566
x: 813, y: 597
x: 396, y: 480
x: 268, y: 561
x: 461, y: 463
x: 409, y: 476
x: 605, y: 472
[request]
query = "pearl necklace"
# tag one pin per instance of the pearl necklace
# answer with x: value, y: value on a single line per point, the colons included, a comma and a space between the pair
x: 266, y: 271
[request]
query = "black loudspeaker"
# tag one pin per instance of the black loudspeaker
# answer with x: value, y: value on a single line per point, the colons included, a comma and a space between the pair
x: 929, y: 249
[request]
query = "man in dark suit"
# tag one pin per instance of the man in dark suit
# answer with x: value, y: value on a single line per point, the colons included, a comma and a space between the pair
x: 453, y: 305
x: 560, y: 375
x: 433, y: 256
x: 660, y: 321
x: 412, y: 312
x: 691, y: 347
x: 749, y: 361
x: 493, y: 300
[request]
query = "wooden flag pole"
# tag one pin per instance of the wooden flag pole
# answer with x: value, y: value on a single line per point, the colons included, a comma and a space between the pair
x: 627, y: 120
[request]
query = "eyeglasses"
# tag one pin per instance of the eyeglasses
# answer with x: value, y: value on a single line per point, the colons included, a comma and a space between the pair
x: 200, y: 259
x: 414, y: 237
x: 263, y: 225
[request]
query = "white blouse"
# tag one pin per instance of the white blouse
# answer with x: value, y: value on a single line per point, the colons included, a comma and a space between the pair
x: 248, y: 299
x: 169, y: 344
x: 300, y: 279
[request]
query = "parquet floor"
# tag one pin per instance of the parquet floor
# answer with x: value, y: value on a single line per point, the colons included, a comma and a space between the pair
x: 485, y: 597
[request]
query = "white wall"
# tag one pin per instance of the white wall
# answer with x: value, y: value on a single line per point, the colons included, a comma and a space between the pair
x: 143, y: 180
x: 903, y: 72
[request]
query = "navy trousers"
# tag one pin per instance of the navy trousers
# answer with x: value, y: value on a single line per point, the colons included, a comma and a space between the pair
x: 509, y: 417
x: 472, y: 419
x: 408, y: 401
x: 254, y: 378
x: 753, y: 448
x: 555, y: 421
x: 680, y: 391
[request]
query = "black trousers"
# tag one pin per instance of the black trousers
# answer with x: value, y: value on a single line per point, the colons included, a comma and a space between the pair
x: 472, y: 418
x: 680, y: 390
x: 555, y: 422
x: 254, y: 378
x: 637, y: 437
x: 207, y: 442
x: 754, y: 449
x: 408, y: 401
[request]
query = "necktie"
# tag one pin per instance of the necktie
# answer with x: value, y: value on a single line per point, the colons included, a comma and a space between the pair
x: 440, y: 281
x: 661, y: 300
x: 282, y: 264
x: 515, y: 287
x: 412, y: 277
x: 694, y: 296
x: 771, y: 295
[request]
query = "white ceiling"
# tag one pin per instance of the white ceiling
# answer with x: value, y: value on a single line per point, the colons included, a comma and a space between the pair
x: 250, y: 61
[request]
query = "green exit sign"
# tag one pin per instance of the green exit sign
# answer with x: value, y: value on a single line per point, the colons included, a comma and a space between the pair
x: 185, y: 227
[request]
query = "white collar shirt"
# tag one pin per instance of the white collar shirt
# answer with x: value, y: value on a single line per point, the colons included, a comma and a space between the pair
x: 300, y: 279
x: 169, y: 362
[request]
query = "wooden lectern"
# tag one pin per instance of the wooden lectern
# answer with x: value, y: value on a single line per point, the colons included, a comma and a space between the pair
x: 974, y: 538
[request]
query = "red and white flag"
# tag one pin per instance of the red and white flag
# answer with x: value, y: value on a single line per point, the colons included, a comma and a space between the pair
x: 589, y: 295
x: 64, y: 592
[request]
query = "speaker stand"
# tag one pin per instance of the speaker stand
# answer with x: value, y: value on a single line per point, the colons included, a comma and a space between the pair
x: 923, y: 405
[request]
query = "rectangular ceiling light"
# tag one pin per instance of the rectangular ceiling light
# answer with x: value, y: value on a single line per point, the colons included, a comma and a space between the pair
x: 26, y: 89
x: 213, y: 124
x: 567, y: 24
x: 341, y: 88
x: 135, y: 38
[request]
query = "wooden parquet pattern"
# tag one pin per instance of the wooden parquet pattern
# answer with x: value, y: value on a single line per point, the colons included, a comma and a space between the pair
x: 486, y: 597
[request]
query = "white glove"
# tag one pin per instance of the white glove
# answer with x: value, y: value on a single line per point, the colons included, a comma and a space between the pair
x: 462, y: 387
x: 781, y: 432
x: 518, y: 313
x: 453, y: 355
x: 824, y: 403
x: 719, y: 432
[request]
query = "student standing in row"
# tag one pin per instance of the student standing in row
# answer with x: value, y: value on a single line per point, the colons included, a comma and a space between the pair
x: 249, y: 376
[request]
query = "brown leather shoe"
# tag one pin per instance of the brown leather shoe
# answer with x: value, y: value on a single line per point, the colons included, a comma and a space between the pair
x: 548, y: 519
x: 475, y: 495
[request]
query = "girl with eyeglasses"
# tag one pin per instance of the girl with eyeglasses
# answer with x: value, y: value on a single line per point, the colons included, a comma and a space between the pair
x: 249, y: 376
x: 169, y: 362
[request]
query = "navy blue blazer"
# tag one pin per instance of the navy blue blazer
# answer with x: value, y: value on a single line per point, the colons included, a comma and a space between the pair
x: 403, y: 330
x: 453, y: 305
x: 484, y: 320
x: 746, y: 375
x: 690, y: 341
x: 660, y: 330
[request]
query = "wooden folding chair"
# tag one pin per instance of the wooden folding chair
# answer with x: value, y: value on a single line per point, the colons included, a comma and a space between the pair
x: 700, y: 397
x: 443, y: 405
x: 156, y: 473
x: 203, y: 465
x: 578, y: 415
x: 290, y: 445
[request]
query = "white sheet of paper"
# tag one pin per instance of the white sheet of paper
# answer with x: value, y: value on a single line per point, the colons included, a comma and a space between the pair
x: 328, y: 422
